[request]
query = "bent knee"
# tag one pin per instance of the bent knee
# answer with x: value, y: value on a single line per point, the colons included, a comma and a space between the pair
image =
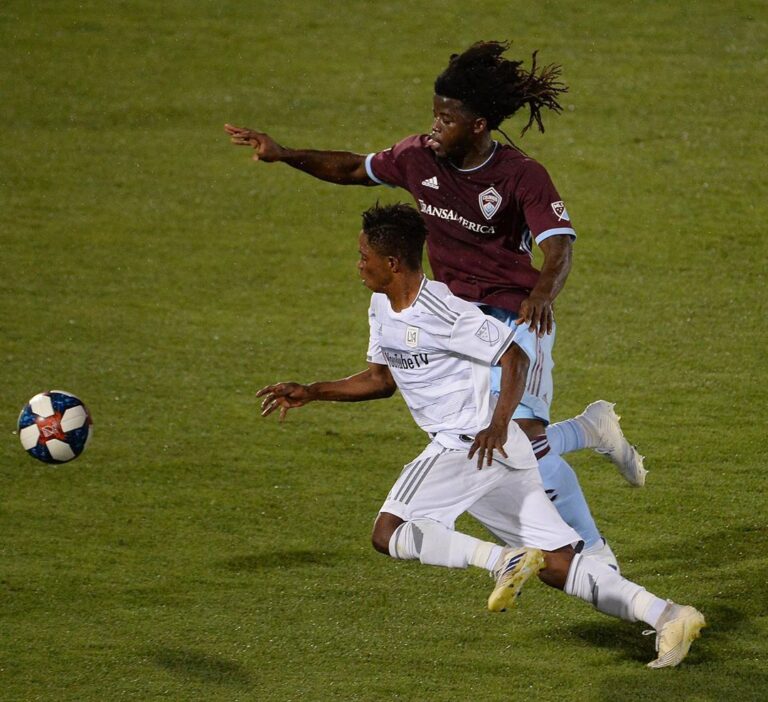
x: 383, y: 529
x: 380, y: 542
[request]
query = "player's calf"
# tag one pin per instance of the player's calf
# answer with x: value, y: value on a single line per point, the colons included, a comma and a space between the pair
x: 556, y: 566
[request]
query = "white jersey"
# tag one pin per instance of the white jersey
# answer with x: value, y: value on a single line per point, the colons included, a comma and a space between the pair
x: 440, y: 351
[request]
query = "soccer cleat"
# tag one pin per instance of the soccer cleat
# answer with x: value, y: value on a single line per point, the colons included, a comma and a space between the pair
x: 682, y: 626
x: 602, y: 552
x: 514, y: 568
x: 604, y: 425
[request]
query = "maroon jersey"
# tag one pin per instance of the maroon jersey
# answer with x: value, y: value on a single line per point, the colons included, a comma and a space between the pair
x: 480, y: 221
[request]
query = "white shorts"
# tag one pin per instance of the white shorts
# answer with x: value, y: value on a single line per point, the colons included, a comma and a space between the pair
x: 539, y: 387
x: 441, y: 484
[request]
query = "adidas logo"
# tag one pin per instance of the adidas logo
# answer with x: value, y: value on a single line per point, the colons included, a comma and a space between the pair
x: 431, y: 183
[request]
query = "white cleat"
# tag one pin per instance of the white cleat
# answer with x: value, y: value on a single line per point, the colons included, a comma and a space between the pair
x: 602, y: 552
x: 604, y: 425
x: 682, y: 626
x: 513, y: 570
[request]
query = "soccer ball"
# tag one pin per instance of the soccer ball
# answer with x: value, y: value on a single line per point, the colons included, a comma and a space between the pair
x: 54, y: 427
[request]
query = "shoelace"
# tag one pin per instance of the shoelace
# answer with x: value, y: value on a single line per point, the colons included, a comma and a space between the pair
x: 648, y: 632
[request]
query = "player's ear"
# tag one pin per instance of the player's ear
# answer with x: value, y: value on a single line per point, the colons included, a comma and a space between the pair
x: 394, y: 263
x: 480, y: 125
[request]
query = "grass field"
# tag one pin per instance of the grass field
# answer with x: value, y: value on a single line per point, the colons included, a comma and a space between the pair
x: 197, y: 552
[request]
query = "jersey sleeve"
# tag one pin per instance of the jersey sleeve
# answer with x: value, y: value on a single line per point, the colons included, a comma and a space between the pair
x: 527, y: 340
x: 545, y: 211
x: 374, y: 354
x: 389, y: 167
x: 480, y: 337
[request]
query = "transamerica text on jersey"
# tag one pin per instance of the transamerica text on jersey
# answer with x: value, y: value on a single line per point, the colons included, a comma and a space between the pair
x: 451, y: 215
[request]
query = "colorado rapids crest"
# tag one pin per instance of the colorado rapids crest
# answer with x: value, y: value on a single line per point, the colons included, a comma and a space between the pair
x: 490, y: 201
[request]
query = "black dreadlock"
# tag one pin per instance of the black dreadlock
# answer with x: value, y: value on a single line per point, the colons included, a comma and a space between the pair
x: 495, y: 88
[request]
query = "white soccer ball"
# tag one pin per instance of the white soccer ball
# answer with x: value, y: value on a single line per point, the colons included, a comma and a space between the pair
x: 55, y: 426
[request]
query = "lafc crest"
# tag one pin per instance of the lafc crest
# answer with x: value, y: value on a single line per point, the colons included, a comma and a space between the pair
x: 412, y: 337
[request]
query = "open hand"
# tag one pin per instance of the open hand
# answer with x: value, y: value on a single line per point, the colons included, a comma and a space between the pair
x: 284, y: 396
x: 264, y: 146
x: 536, y: 312
x: 489, y: 439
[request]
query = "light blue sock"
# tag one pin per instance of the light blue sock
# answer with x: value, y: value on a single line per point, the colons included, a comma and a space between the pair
x: 564, y: 490
x: 566, y: 436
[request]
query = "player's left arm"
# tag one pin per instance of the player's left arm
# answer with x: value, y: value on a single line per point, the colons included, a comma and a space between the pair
x: 514, y: 370
x: 536, y: 309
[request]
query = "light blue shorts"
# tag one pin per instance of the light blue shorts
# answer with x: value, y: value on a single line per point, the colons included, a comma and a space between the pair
x: 537, y: 397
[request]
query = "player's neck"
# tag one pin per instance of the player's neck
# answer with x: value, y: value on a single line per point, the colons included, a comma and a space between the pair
x: 404, y: 290
x: 478, y: 153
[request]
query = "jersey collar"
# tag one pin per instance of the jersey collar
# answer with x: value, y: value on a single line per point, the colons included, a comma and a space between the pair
x: 484, y: 163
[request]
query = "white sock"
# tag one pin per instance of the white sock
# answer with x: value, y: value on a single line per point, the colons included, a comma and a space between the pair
x: 601, y: 586
x: 569, y: 435
x: 486, y: 556
x: 648, y: 608
x: 435, y: 544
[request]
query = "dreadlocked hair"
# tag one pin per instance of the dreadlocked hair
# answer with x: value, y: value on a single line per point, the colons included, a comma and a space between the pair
x: 495, y: 88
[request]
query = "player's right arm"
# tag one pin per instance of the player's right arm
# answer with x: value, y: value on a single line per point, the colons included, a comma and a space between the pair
x: 341, y: 167
x: 371, y: 384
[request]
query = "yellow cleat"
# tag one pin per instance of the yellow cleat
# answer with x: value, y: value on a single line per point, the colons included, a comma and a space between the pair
x: 682, y: 626
x: 514, y: 568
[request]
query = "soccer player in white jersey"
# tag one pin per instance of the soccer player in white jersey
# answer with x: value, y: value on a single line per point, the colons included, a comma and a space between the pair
x: 484, y: 204
x: 438, y: 351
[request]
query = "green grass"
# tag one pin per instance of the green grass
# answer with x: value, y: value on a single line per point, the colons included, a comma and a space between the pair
x: 198, y: 552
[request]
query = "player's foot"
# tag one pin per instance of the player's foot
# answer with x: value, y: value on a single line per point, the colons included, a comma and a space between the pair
x: 603, y: 424
x: 678, y: 628
x: 512, y: 571
x: 602, y: 552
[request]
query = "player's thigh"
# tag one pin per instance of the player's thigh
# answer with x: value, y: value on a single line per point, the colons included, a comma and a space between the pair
x: 440, y: 484
x: 539, y: 386
x: 519, y: 513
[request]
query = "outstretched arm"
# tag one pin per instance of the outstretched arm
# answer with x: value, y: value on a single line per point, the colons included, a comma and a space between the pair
x: 371, y: 384
x: 536, y: 309
x: 341, y: 167
x: 514, y: 370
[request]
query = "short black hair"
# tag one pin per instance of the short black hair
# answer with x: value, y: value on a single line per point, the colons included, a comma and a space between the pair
x: 396, y: 230
x: 494, y: 88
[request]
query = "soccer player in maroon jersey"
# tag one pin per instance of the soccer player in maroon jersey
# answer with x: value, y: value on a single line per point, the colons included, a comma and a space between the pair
x: 484, y: 204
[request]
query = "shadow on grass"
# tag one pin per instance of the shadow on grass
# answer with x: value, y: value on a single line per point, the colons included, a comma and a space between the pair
x: 625, y: 640
x: 201, y: 666
x: 731, y: 635
x: 270, y: 560
x: 628, y: 643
